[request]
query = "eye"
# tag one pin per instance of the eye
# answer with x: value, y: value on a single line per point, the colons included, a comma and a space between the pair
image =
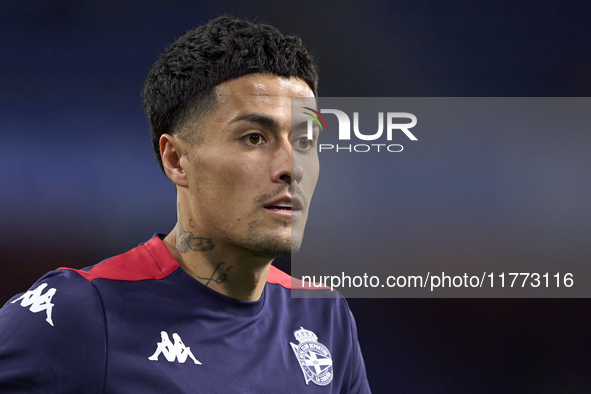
x: 303, y: 143
x: 253, y: 139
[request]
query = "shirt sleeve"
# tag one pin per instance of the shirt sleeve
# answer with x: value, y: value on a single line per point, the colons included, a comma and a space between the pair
x: 53, y: 337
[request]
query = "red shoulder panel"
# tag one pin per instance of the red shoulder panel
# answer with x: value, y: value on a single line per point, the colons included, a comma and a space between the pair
x: 151, y: 260
x: 276, y: 276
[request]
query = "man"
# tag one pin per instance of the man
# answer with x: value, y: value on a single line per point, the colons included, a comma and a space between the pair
x: 201, y: 309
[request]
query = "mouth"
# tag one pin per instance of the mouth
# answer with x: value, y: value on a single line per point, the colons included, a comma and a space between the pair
x: 285, y: 206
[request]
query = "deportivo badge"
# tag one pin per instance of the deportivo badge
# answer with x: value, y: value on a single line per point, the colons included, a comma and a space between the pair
x: 313, y: 356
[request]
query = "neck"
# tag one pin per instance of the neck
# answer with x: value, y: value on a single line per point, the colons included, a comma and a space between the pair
x: 226, y: 270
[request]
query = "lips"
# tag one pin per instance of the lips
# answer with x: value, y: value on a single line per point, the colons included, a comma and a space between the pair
x: 286, y: 204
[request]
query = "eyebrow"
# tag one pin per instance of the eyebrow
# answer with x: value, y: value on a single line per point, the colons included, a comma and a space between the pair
x: 268, y: 122
x: 263, y: 120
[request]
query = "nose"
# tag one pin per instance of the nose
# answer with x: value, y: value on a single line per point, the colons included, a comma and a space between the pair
x: 287, y: 168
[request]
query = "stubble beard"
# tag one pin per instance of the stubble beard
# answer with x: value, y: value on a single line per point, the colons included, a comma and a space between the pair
x: 265, y: 245
x: 271, y: 245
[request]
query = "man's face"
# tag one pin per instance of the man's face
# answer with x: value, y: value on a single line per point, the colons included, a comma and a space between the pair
x: 250, y: 178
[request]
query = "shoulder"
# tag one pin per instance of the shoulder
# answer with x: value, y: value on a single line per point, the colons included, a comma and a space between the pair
x: 326, y: 308
x: 53, y: 335
x: 296, y: 289
x: 52, y: 299
x: 60, y: 293
x: 149, y: 260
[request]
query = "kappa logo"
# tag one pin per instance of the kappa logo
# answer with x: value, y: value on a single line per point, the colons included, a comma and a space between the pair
x: 314, y: 357
x: 38, y: 302
x: 172, y: 351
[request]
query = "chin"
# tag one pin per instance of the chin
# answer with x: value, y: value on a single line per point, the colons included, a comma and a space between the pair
x: 271, y: 247
x: 272, y: 243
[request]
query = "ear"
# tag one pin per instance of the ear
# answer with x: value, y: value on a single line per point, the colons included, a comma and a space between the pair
x: 171, y: 149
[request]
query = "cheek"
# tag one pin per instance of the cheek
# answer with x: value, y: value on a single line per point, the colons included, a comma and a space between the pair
x: 228, y: 181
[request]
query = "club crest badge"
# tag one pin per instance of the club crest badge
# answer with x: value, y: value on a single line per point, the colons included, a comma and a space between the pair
x: 314, y: 357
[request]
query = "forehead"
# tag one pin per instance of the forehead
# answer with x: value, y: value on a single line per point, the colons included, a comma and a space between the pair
x: 260, y: 91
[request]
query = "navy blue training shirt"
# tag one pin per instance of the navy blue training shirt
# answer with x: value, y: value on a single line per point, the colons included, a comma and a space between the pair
x: 137, y: 323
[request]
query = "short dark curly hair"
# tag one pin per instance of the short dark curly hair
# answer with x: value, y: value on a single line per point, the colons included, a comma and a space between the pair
x: 182, y: 81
